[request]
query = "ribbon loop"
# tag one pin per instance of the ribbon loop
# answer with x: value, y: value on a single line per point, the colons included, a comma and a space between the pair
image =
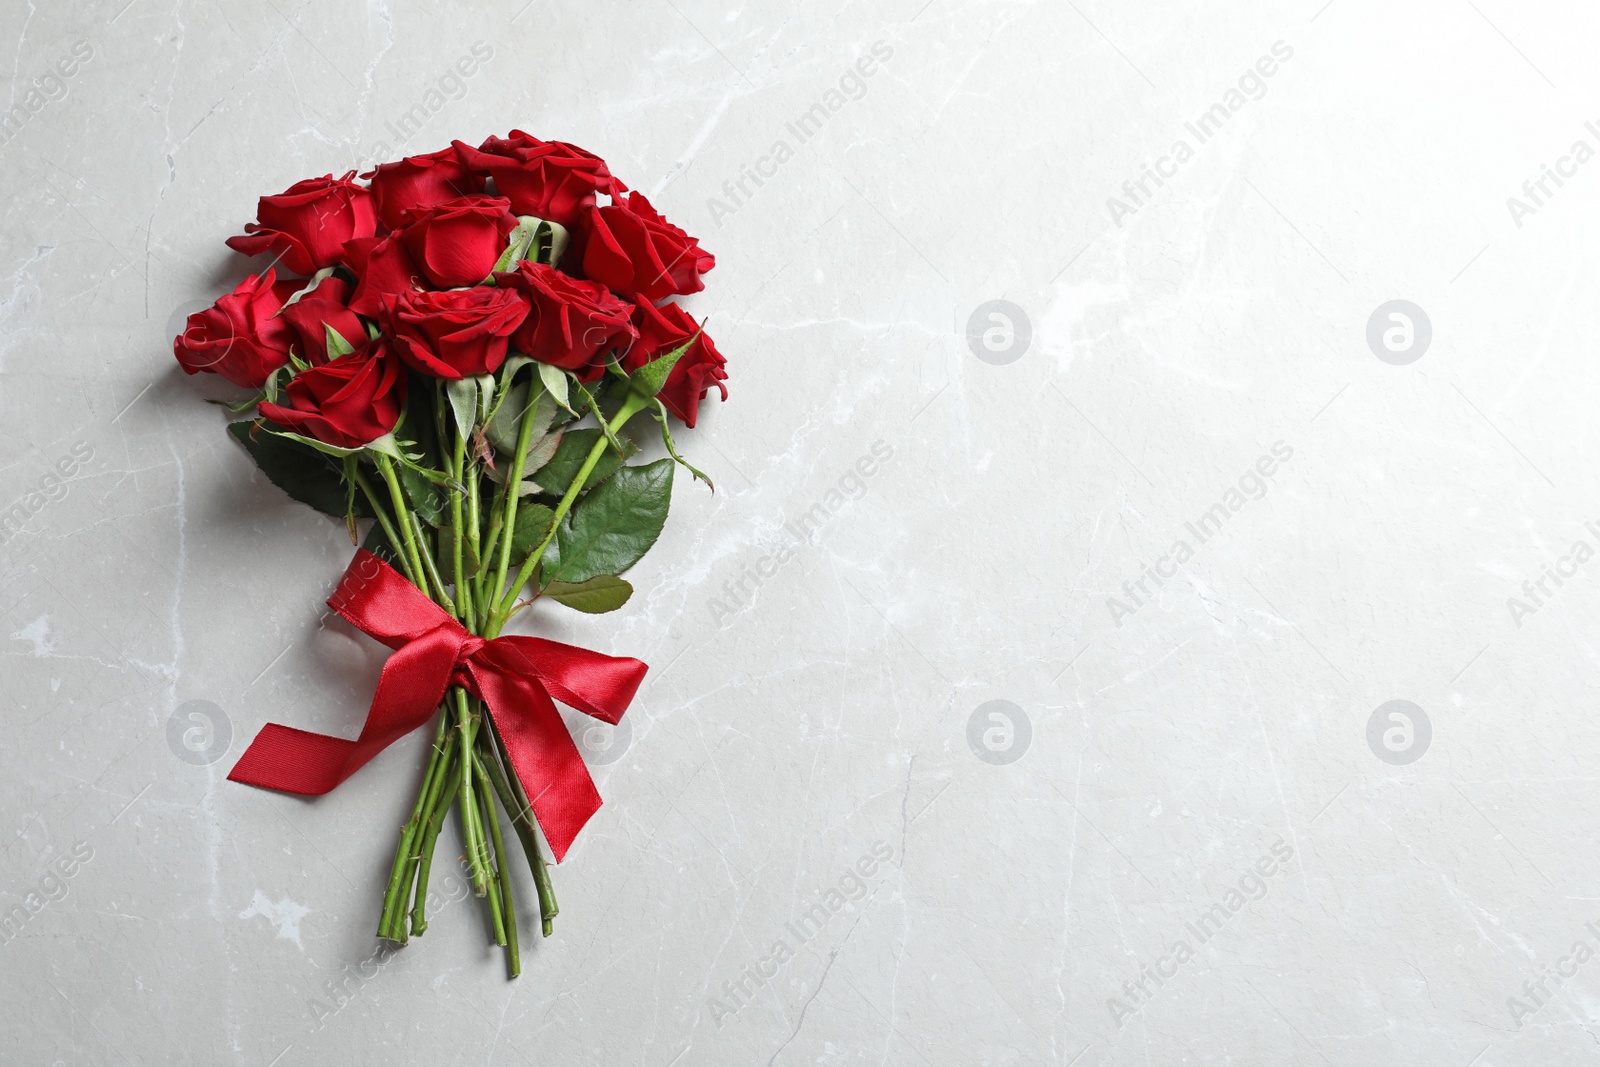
x: 514, y: 676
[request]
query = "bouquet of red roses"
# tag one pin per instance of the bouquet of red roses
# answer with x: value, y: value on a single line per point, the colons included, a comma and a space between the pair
x: 469, y: 336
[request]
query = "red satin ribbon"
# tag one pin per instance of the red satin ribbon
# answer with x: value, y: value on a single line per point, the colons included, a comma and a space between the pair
x: 514, y: 676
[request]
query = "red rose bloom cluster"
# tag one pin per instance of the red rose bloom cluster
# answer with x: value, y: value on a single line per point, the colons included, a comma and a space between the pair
x: 409, y: 274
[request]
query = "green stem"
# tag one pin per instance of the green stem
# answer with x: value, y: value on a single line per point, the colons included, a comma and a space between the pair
x: 430, y: 566
x: 475, y: 530
x: 388, y: 527
x: 502, y: 610
x: 401, y: 509
x: 516, y: 804
x: 489, y: 818
x: 421, y: 843
x: 513, y: 493
x: 496, y: 517
x: 391, y: 923
x: 502, y: 869
x: 441, y: 807
x: 464, y: 604
x: 471, y: 832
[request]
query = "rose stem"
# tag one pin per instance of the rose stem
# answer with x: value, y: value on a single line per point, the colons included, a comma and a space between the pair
x: 421, y: 842
x: 388, y: 527
x: 513, y: 489
x: 464, y: 604
x: 432, y: 783
x: 448, y: 431
x: 431, y: 566
x: 502, y: 610
x: 388, y: 926
x: 492, y: 820
x: 386, y: 469
x: 502, y: 872
x: 471, y: 832
x: 516, y: 805
x: 487, y: 552
x: 475, y: 529
x: 441, y: 807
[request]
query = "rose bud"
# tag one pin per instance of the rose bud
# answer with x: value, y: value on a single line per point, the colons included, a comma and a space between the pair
x: 348, y: 402
x: 417, y: 183
x: 455, y: 333
x: 456, y: 243
x: 549, y: 179
x: 573, y: 324
x: 308, y: 223
x: 241, y: 337
x: 664, y: 329
x: 635, y: 251
x: 313, y: 313
x: 382, y: 266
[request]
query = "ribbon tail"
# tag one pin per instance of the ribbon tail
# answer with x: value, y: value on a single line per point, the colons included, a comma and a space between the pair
x: 543, y: 756
x: 297, y: 761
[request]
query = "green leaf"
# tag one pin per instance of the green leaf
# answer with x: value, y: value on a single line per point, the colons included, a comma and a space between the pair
x: 556, y: 475
x: 533, y: 522
x: 311, y: 442
x: 337, y: 345
x: 508, y: 369
x: 503, y: 426
x: 464, y: 394
x: 270, y: 389
x: 426, y: 500
x: 543, y: 450
x: 539, y: 454
x: 383, y: 446
x: 555, y: 383
x: 598, y: 595
x: 553, y: 238
x: 649, y: 378
x: 311, y: 284
x: 550, y: 564
x: 306, y: 475
x: 523, y: 243
x: 615, y: 525
x: 238, y: 407
x: 533, y: 239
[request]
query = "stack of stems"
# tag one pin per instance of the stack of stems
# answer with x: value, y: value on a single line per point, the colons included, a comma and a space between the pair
x: 468, y: 764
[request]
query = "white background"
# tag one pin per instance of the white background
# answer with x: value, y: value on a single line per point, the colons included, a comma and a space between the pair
x: 776, y: 742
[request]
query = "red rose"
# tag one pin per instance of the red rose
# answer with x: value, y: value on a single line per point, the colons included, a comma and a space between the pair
x: 457, y: 242
x: 382, y: 266
x: 417, y: 183
x: 240, y: 337
x: 638, y: 253
x: 548, y: 179
x: 349, y: 402
x: 573, y: 324
x: 455, y: 333
x: 322, y: 307
x: 308, y: 223
x: 664, y: 329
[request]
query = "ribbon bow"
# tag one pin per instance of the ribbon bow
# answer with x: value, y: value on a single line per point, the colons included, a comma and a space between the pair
x: 514, y: 676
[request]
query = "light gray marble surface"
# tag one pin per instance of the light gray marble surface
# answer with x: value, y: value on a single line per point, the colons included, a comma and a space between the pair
x: 1168, y: 743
